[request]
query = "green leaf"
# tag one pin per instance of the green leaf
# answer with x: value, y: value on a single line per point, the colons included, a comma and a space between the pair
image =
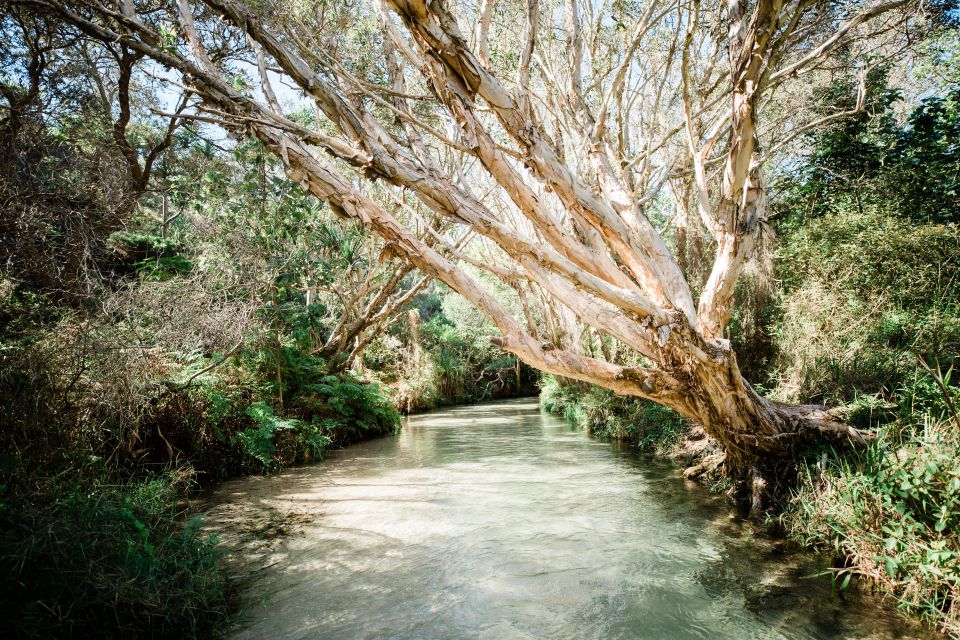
x: 891, y: 565
x: 845, y: 583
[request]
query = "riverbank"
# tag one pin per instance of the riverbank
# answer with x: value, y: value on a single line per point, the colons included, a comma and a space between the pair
x: 889, y: 513
x: 110, y: 426
x: 112, y: 507
x: 87, y: 547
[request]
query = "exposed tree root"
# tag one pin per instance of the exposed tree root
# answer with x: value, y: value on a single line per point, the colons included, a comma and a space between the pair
x: 707, y: 465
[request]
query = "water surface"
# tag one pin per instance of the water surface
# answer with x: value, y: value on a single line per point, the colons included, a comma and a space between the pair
x: 498, y: 521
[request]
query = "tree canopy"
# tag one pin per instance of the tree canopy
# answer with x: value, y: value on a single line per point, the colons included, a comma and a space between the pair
x: 551, y: 131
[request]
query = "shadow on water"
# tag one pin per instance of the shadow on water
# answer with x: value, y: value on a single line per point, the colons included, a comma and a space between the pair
x: 495, y: 521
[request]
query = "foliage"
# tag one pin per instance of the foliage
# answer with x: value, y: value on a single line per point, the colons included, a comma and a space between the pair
x: 258, y: 441
x: 875, y: 161
x: 154, y: 257
x: 868, y: 252
x: 348, y: 409
x: 79, y: 560
x: 140, y: 246
x: 449, y: 361
x: 651, y: 427
x: 868, y: 312
x: 893, y: 511
x: 867, y: 257
x: 861, y: 296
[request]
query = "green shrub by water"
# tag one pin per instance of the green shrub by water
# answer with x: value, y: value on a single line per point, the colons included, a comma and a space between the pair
x: 96, y: 462
x: 83, y: 560
x: 602, y: 413
x: 892, y: 512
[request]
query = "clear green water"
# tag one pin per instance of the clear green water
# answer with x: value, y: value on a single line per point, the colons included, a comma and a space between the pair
x: 498, y: 521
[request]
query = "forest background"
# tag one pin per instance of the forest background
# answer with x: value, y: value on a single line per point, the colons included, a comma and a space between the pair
x: 174, y: 310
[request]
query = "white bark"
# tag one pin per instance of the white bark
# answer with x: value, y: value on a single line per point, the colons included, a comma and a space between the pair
x: 565, y: 182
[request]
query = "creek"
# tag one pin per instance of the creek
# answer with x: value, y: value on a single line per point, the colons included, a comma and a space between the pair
x: 500, y: 521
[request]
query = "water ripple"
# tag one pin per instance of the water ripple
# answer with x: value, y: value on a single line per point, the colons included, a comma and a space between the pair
x: 496, y: 521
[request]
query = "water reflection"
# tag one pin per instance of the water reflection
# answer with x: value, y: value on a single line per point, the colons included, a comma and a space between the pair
x: 495, y: 521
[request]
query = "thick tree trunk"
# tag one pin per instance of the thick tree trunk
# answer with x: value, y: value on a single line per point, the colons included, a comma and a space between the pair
x: 587, y: 248
x: 760, y: 438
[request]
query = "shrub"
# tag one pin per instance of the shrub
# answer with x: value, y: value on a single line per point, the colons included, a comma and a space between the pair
x: 893, y: 511
x: 649, y: 426
x: 79, y: 560
x: 447, y: 357
x: 863, y: 295
x: 347, y: 408
x: 133, y: 246
x: 154, y: 257
x: 276, y: 442
x: 258, y: 442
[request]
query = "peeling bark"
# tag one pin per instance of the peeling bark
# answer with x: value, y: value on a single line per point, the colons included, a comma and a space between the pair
x: 573, y: 230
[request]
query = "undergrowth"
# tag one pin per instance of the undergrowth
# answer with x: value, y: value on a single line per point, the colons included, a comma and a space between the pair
x: 601, y: 412
x: 100, y: 448
x: 892, y: 509
x: 83, y: 560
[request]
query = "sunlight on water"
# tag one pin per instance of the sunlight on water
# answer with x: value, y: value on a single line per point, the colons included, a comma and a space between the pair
x: 497, y: 521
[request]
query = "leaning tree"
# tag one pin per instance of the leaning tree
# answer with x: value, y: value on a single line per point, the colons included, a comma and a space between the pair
x: 548, y: 128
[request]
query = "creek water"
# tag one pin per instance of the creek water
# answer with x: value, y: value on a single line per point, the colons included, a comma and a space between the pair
x: 500, y: 521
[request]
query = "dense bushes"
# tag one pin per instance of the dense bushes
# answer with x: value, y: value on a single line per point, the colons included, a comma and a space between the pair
x: 892, y: 511
x: 180, y: 360
x: 101, y: 446
x: 445, y: 357
x: 875, y: 300
x: 88, y: 559
x: 649, y: 426
x: 868, y: 250
x: 868, y: 313
x: 863, y: 295
x: 882, y: 160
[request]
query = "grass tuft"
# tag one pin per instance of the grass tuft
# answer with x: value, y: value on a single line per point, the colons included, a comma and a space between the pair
x: 82, y: 559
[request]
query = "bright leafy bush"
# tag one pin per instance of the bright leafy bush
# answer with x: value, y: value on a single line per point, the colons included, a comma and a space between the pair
x: 79, y: 562
x: 141, y: 245
x: 650, y: 426
x: 876, y: 160
x: 348, y: 409
x: 258, y: 442
x: 893, y: 511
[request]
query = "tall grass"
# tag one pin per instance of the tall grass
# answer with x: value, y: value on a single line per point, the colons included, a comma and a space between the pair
x: 118, y: 560
x: 861, y: 295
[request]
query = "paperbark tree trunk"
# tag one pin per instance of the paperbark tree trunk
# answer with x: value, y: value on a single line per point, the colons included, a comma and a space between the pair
x: 572, y: 229
x: 760, y: 438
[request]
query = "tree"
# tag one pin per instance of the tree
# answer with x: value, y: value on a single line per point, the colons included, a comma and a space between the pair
x: 331, y: 285
x: 78, y: 149
x: 905, y: 167
x: 549, y: 129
